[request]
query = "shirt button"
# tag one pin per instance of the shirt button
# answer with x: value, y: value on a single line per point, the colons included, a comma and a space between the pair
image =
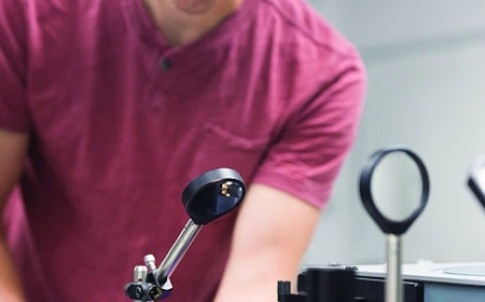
x: 165, y: 64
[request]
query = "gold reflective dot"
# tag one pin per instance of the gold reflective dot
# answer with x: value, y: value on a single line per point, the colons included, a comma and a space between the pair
x: 225, y: 188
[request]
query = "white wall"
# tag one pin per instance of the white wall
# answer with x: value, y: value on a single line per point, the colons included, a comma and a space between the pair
x: 426, y: 68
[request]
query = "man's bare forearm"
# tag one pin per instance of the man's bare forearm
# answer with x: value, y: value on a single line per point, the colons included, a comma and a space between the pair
x: 10, y: 288
x: 271, y: 236
x: 13, y: 148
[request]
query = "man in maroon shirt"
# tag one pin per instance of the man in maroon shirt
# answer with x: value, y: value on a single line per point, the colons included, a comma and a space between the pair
x: 109, y: 108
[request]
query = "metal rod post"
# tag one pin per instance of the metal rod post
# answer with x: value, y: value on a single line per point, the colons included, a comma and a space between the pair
x: 394, y: 289
x: 177, y: 251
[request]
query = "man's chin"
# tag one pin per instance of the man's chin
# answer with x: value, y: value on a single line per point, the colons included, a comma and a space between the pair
x: 194, y: 6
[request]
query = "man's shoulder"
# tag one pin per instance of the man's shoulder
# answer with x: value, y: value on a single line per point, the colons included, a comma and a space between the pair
x: 36, y: 21
x: 41, y: 10
x: 302, y: 23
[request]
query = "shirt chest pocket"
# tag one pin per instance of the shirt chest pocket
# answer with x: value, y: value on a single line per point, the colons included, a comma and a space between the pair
x: 221, y: 148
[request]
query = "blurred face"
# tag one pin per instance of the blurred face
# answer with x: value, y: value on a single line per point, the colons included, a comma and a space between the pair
x: 194, y: 6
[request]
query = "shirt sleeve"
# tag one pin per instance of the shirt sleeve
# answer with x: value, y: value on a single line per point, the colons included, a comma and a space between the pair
x: 306, y: 159
x: 14, y: 114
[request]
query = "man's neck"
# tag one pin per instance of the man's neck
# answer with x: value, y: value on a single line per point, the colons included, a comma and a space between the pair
x: 180, y: 27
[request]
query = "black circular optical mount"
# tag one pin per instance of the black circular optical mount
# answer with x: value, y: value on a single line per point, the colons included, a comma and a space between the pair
x: 387, y: 225
x: 213, y: 194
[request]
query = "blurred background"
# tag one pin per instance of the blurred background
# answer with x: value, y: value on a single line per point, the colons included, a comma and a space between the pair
x: 426, y: 68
